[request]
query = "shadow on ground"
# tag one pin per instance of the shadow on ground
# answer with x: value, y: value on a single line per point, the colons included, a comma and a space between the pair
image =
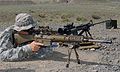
x: 58, y: 56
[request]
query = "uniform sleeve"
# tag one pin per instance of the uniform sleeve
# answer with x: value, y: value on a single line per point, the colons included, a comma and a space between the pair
x: 9, y: 53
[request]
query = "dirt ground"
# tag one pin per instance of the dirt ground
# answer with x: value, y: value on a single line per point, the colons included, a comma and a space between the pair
x: 105, y: 59
x: 54, y: 63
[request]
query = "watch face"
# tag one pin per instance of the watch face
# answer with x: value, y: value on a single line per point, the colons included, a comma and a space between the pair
x: 54, y: 45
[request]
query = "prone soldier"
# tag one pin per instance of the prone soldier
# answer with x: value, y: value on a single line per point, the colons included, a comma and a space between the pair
x: 9, y: 50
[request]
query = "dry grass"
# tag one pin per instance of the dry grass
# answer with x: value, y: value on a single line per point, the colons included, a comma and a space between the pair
x: 61, y: 13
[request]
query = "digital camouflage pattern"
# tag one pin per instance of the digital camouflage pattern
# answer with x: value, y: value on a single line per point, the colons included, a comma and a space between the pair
x: 9, y: 51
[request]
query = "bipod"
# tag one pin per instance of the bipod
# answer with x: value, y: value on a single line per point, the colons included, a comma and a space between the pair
x: 87, y: 33
x: 86, y: 30
x: 74, y: 47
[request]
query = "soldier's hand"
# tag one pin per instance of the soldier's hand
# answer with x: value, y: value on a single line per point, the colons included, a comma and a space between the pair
x: 35, y: 46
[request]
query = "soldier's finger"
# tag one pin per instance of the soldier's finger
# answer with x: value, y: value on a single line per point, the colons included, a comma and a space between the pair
x: 37, y: 43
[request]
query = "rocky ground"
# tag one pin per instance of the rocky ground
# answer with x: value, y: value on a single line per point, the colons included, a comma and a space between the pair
x: 104, y: 59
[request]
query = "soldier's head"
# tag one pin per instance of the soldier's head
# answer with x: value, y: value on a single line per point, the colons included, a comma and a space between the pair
x: 24, y: 21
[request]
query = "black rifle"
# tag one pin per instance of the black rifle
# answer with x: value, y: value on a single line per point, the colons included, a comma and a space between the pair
x: 79, y: 30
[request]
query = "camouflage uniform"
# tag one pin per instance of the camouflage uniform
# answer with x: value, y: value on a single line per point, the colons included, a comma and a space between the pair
x: 9, y: 51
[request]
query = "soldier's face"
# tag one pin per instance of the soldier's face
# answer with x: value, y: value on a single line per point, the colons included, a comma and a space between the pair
x: 26, y: 32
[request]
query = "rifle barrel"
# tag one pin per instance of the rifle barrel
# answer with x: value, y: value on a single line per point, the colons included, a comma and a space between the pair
x: 100, y: 22
x: 100, y: 41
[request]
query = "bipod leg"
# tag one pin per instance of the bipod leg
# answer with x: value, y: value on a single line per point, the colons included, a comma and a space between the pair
x: 81, y: 32
x: 89, y: 34
x: 86, y: 33
x: 77, y: 56
x: 69, y: 54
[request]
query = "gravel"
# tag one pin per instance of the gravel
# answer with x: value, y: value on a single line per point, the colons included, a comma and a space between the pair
x: 101, y: 60
x: 104, y: 59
